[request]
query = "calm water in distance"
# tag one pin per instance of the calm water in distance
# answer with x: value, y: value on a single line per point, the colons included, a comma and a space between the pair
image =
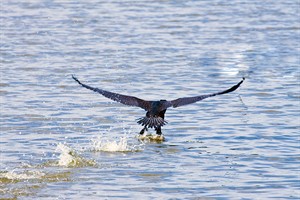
x: 61, y: 141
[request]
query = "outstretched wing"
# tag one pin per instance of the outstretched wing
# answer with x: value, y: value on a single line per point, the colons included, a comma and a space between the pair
x: 188, y: 100
x: 124, y: 99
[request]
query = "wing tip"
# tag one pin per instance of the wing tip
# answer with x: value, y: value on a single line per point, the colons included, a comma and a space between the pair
x: 243, y: 79
x: 76, y: 79
x: 73, y: 76
x: 238, y: 85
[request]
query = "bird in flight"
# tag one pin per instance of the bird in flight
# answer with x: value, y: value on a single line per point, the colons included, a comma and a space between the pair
x: 155, y: 115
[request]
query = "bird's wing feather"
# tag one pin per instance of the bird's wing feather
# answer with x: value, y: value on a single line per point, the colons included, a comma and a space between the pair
x: 188, y: 100
x: 124, y: 99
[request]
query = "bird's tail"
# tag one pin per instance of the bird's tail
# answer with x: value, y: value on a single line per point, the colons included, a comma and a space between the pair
x: 152, y: 122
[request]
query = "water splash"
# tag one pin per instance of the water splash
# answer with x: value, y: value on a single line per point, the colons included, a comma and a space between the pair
x: 120, y: 145
x: 70, y: 158
x: 151, y: 138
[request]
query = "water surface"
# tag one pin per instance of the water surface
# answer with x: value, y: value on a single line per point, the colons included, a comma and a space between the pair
x: 61, y: 141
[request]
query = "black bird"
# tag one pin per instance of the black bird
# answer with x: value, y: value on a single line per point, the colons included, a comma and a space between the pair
x: 155, y: 116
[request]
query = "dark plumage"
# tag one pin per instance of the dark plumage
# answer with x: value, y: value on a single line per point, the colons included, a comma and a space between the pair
x: 155, y: 109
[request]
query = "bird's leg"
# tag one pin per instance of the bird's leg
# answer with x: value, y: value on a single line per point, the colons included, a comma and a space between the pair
x: 143, y: 130
x: 158, y: 130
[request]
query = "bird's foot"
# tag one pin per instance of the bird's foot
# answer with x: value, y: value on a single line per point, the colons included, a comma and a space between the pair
x: 158, y: 133
x: 143, y: 131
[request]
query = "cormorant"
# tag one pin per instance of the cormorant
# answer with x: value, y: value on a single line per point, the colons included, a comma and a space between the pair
x: 155, y: 116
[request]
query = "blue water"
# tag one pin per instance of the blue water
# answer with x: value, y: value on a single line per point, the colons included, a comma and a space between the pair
x: 61, y: 141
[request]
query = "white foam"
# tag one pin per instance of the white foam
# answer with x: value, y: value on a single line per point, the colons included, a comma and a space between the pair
x: 70, y: 158
x: 12, y: 175
x: 151, y: 138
